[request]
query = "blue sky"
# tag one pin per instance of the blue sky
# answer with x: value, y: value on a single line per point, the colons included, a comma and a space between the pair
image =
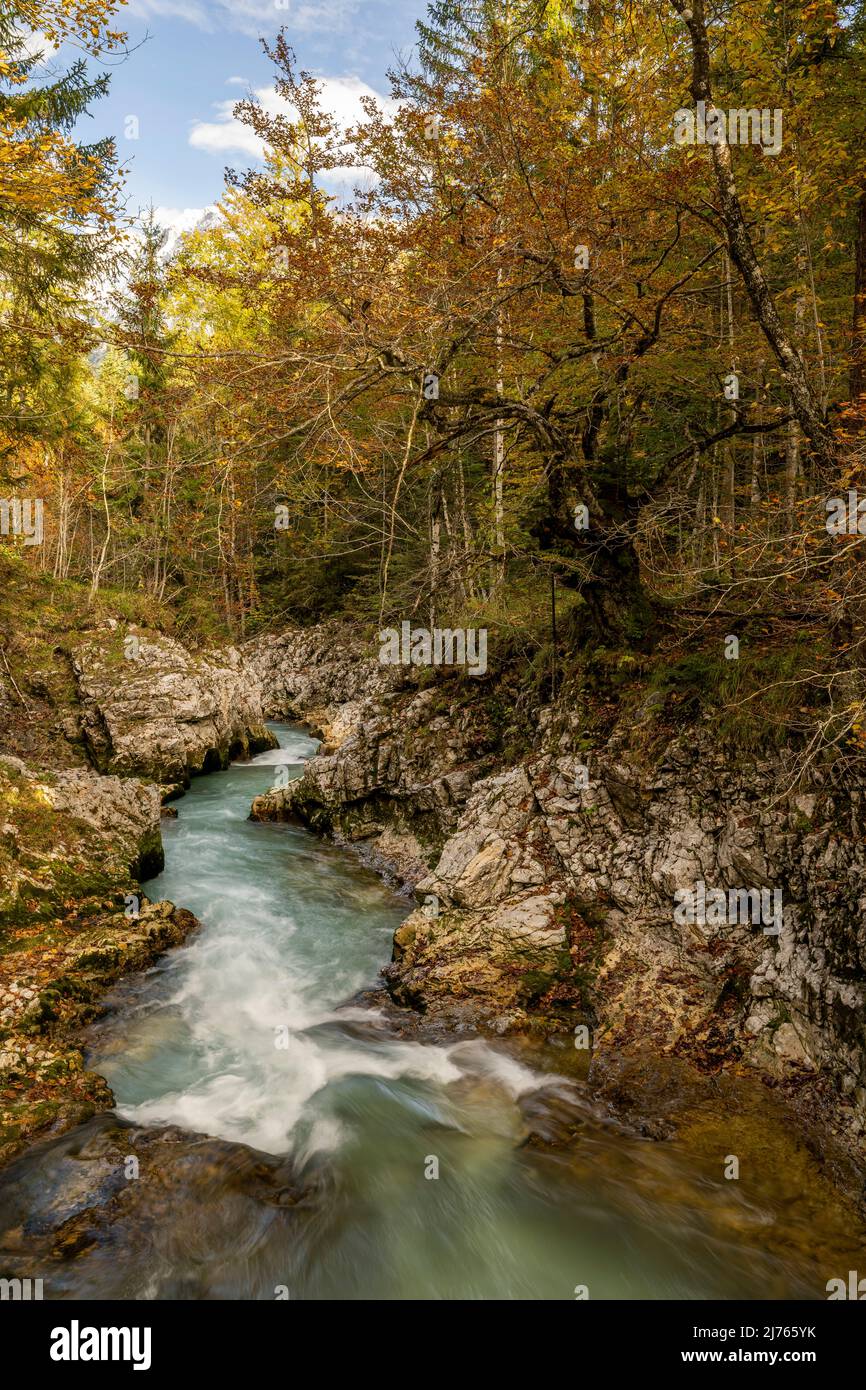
x: 192, y: 59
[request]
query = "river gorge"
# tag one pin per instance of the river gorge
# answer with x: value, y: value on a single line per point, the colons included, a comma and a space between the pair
x: 282, y: 1130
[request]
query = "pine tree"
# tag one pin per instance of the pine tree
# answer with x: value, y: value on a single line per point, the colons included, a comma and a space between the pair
x: 56, y: 207
x: 139, y: 310
x: 140, y: 316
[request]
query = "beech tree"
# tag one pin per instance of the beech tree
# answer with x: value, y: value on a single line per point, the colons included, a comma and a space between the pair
x: 557, y: 204
x: 548, y: 343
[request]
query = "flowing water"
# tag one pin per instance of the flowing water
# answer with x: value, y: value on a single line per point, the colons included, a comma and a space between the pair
x: 245, y: 1034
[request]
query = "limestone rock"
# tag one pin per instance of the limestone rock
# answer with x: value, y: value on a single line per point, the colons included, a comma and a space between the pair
x: 536, y: 881
x: 398, y: 763
x: 163, y: 712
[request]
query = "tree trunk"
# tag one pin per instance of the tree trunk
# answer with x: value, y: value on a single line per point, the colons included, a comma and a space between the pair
x: 607, y: 576
x: 806, y: 408
x: 858, y: 334
x: 792, y: 470
x: 757, y: 443
x: 498, y: 576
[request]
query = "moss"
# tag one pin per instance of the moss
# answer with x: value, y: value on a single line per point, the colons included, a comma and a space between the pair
x: 151, y: 857
x: 29, y: 811
x: 534, y: 985
x: 754, y: 698
x: 76, y: 881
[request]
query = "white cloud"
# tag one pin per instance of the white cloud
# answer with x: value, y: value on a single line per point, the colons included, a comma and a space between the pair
x: 253, y: 16
x: 226, y: 134
x: 340, y: 95
x: 198, y: 12
x: 34, y: 44
x: 178, y: 221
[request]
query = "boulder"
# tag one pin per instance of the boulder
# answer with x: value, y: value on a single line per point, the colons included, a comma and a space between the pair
x: 151, y: 708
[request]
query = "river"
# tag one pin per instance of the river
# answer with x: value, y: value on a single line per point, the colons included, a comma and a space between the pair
x: 436, y: 1187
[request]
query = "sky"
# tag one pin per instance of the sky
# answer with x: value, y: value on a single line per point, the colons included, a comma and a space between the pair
x: 171, y: 98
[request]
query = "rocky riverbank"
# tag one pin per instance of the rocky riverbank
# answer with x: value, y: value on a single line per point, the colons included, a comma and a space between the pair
x: 547, y: 888
x: 148, y: 707
x: 545, y: 847
x: 80, y: 816
x: 97, y: 1208
x: 72, y: 848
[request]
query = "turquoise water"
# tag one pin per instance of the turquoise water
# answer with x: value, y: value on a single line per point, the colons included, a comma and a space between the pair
x: 245, y: 1034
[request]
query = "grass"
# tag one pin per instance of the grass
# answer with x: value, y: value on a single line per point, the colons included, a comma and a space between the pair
x: 759, y: 697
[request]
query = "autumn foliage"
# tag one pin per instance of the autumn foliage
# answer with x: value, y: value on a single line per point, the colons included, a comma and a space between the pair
x: 541, y: 345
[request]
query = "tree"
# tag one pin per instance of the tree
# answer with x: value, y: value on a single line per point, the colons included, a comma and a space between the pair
x: 57, y: 202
